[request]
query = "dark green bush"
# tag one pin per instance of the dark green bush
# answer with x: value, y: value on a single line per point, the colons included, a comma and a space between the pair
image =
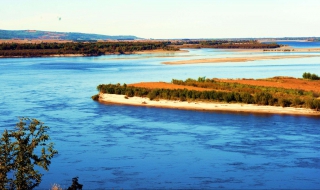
x: 285, y: 102
x: 310, y: 76
x: 95, y: 97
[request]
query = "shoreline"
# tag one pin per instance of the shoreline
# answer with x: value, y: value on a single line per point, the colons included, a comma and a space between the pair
x: 286, y: 49
x: 205, y: 106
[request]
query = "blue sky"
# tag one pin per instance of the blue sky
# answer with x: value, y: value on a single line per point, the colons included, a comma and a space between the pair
x: 166, y: 18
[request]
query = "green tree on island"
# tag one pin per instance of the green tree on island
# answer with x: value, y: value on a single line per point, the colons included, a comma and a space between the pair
x: 18, y: 156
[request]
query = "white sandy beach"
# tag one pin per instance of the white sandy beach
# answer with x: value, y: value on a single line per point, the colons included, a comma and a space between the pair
x: 204, y: 106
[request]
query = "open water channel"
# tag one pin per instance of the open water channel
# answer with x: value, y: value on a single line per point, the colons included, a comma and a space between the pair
x: 126, y: 147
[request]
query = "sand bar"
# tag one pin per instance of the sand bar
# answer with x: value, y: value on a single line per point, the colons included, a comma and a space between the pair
x: 284, y: 49
x: 159, y: 51
x: 236, y: 59
x: 204, y: 106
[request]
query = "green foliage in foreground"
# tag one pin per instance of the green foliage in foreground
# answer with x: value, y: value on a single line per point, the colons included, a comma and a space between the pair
x: 262, y: 96
x: 20, y: 153
x: 310, y: 76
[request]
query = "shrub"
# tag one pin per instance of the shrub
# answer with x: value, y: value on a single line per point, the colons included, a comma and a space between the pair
x: 310, y: 76
x: 316, y: 104
x: 246, y: 98
x: 152, y: 95
x: 285, y: 102
x: 297, y: 102
x: 95, y: 97
x: 129, y: 93
x: 263, y: 98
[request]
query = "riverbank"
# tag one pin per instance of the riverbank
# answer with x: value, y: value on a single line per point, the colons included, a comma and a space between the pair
x: 286, y: 49
x: 204, y: 106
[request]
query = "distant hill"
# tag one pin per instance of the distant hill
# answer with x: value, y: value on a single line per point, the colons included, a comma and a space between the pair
x: 74, y: 36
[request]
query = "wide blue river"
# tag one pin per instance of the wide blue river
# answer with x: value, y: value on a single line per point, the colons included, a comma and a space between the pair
x: 126, y: 147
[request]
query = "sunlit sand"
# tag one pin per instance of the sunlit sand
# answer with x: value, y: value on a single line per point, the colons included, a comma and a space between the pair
x: 204, y: 106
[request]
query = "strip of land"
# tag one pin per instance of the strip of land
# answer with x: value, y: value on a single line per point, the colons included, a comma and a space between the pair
x: 205, y: 106
x: 159, y: 51
x: 236, y: 59
x: 283, y: 49
x: 305, y: 89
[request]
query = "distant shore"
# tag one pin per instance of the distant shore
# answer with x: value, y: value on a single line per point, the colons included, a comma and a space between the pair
x: 285, y: 49
x: 205, y: 106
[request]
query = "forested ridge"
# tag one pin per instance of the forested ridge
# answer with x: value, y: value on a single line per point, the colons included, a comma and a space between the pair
x: 74, y: 36
x: 220, y: 92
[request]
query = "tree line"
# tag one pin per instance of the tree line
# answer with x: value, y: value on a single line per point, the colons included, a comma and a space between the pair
x: 307, y: 75
x: 237, y: 95
x: 93, y: 48
x: 230, y: 44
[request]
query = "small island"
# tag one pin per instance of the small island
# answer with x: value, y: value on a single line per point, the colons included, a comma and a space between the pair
x: 277, y: 95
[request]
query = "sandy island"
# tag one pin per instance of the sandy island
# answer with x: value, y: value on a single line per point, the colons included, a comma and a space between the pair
x: 280, y: 82
x: 205, y: 106
x: 237, y: 59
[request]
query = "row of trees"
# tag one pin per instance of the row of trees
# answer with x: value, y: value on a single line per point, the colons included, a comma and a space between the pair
x: 94, y: 48
x: 260, y: 98
x: 310, y: 76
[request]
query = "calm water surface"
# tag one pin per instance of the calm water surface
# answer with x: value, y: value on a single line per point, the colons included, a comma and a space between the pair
x: 114, y: 146
x: 300, y: 44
